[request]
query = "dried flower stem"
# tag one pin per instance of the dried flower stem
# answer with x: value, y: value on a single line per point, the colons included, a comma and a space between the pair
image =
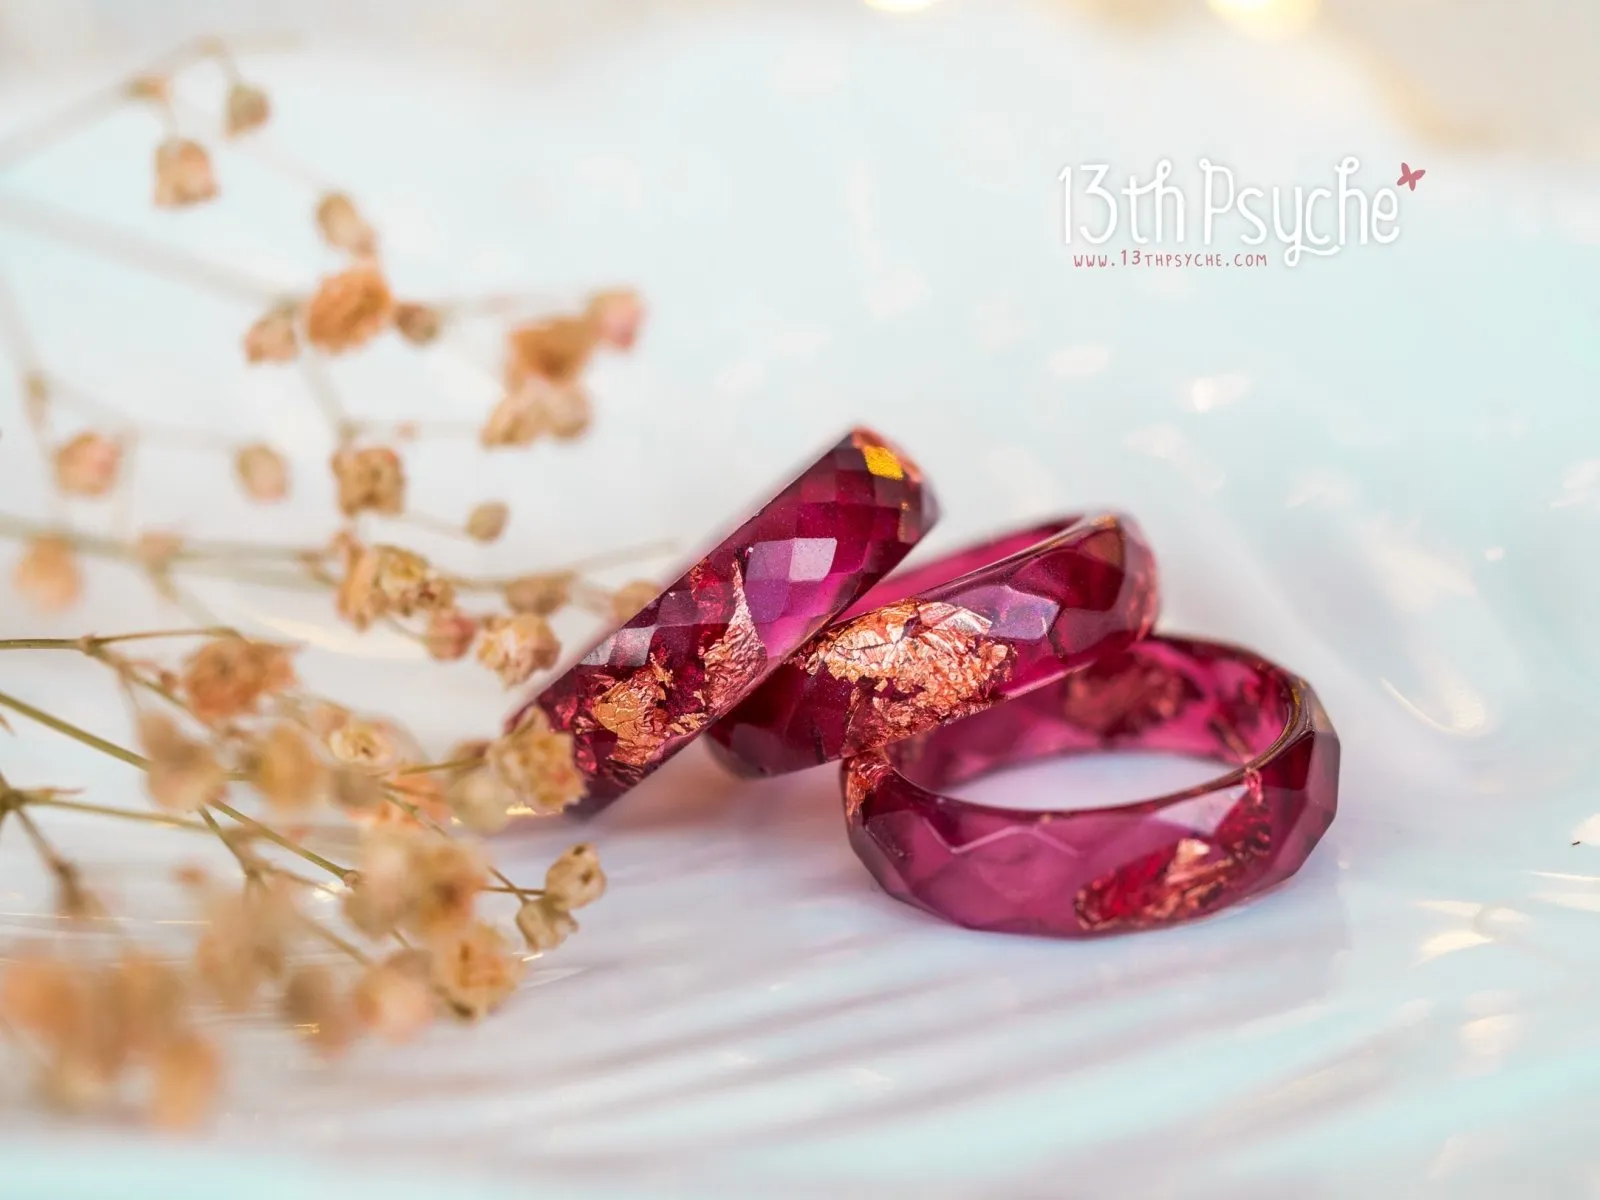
x: 36, y: 800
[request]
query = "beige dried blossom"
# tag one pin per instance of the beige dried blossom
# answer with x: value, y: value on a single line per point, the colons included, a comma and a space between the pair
x: 228, y: 677
x: 343, y: 227
x: 476, y: 969
x: 371, y: 479
x: 575, y: 879
x: 419, y: 324
x: 540, y: 594
x: 357, y: 599
x: 616, y: 315
x: 43, y: 995
x: 247, y: 109
x: 515, y: 647
x: 356, y: 793
x: 449, y: 634
x: 630, y: 599
x: 285, y: 768
x: 157, y: 549
x: 487, y: 521
x: 88, y: 464
x: 185, y: 1080
x: 183, y: 174
x: 409, y: 584
x: 156, y: 89
x: 447, y: 877
x: 184, y: 774
x: 567, y: 411
x: 313, y: 1004
x: 273, y: 338
x: 150, y: 998
x: 536, y: 763
x: 383, y: 888
x: 481, y: 800
x: 245, y: 943
x: 393, y: 999
x: 544, y: 924
x: 517, y: 420
x: 370, y: 743
x: 47, y: 574
x: 555, y: 349
x: 263, y: 472
x: 349, y: 309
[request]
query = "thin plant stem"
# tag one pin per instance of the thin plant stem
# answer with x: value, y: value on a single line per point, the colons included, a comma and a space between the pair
x: 106, y: 810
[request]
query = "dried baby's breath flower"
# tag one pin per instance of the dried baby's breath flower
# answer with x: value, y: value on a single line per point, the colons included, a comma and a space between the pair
x: 155, y: 88
x: 419, y: 324
x: 408, y: 583
x: 343, y: 227
x: 349, y: 309
x: 476, y: 968
x: 631, y: 598
x: 373, y: 744
x: 372, y: 479
x: 517, y: 646
x: 183, y: 174
x: 151, y: 1000
x: 393, y: 999
x: 357, y: 599
x: 420, y: 790
x: 184, y: 774
x: 616, y: 315
x: 556, y: 349
x: 273, y: 338
x: 355, y: 792
x: 47, y: 574
x: 88, y: 464
x: 536, y: 763
x: 481, y: 800
x: 518, y: 419
x: 42, y: 995
x: 227, y: 677
x: 449, y: 634
x: 313, y: 1004
x: 245, y: 943
x: 157, y: 548
x: 262, y: 472
x: 540, y: 594
x: 185, y: 1079
x: 247, y: 108
x: 384, y: 887
x: 448, y: 875
x: 284, y: 767
x: 567, y: 410
x: 575, y: 879
x: 544, y: 924
x: 487, y: 521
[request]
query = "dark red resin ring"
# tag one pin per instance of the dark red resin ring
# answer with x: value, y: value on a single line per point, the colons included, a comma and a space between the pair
x: 949, y: 639
x: 1134, y: 866
x: 691, y: 654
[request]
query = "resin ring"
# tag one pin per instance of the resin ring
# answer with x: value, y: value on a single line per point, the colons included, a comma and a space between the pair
x: 949, y: 639
x: 691, y: 654
x: 1096, y: 871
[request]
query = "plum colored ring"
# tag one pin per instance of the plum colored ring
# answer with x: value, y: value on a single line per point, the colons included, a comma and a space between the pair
x: 647, y: 689
x: 1097, y: 871
x: 948, y: 639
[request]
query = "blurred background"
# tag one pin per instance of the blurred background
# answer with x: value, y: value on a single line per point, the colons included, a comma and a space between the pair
x: 1382, y: 468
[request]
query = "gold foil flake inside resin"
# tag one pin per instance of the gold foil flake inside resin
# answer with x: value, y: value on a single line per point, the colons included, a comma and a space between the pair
x: 736, y: 659
x: 635, y: 710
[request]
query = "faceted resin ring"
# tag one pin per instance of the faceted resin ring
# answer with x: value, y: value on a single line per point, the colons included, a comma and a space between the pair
x: 691, y: 654
x: 1095, y: 871
x: 949, y: 639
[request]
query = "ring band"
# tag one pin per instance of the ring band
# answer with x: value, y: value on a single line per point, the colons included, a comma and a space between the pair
x: 1134, y: 866
x: 645, y: 690
x: 949, y: 639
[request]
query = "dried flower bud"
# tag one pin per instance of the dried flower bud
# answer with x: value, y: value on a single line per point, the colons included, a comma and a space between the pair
x: 384, y: 887
x: 43, y: 995
x: 227, y: 677
x: 355, y: 792
x: 447, y: 876
x: 185, y: 1080
x: 567, y: 411
x: 487, y: 521
x: 262, y: 472
x: 393, y: 999
x: 183, y: 174
x: 150, y: 998
x: 371, y: 479
x: 536, y: 763
x: 419, y: 324
x: 357, y: 599
x: 540, y: 594
x: 349, y: 309
x: 481, y: 800
x: 515, y: 647
x: 273, y: 338
x: 575, y: 879
x: 544, y: 924
x: 154, y: 88
x: 518, y: 419
x: 284, y: 767
x: 184, y: 774
x: 245, y: 943
x: 311, y: 1002
x: 556, y: 350
x: 631, y: 598
x: 371, y: 744
x: 248, y: 108
x: 476, y: 969
x: 47, y: 573
x: 157, y: 548
x: 343, y: 227
x: 88, y: 464
x: 616, y: 316
x: 409, y: 584
x: 449, y: 634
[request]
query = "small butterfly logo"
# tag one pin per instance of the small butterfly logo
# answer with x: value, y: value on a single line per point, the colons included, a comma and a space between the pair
x: 1408, y: 177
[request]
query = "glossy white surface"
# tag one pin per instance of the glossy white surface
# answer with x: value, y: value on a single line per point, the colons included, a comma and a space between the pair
x: 1382, y: 469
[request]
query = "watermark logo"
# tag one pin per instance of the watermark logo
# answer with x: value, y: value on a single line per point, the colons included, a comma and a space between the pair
x: 1209, y: 208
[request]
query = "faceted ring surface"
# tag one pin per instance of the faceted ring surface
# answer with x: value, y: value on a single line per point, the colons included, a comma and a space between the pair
x: 1157, y: 862
x: 948, y: 639
x: 645, y: 690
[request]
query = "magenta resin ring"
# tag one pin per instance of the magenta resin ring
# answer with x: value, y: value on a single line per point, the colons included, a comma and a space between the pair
x: 641, y: 693
x: 948, y: 639
x: 1096, y: 871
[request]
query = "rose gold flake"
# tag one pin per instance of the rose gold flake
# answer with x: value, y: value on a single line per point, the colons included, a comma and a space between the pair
x: 735, y: 659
